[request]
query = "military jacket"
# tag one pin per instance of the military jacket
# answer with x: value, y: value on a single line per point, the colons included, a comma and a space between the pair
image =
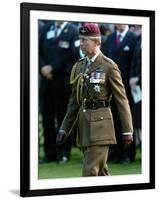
x: 95, y: 126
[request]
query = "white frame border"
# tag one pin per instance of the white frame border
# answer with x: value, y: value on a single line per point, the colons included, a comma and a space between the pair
x: 99, y: 181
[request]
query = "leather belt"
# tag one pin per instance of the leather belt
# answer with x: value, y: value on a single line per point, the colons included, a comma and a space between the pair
x: 95, y: 104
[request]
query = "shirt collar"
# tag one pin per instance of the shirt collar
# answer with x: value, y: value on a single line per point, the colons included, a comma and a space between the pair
x: 123, y: 33
x: 60, y: 29
x: 62, y: 26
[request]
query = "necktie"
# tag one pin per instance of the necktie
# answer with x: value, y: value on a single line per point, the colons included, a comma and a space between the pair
x: 88, y: 64
x: 118, y: 40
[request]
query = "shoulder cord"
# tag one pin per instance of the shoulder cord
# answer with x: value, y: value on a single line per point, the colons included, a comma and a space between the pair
x: 80, y: 80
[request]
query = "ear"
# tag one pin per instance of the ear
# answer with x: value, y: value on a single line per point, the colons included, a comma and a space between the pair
x: 98, y: 42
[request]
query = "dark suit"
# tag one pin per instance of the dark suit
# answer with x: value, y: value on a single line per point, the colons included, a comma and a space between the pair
x: 136, y: 72
x: 61, y: 53
x: 122, y: 55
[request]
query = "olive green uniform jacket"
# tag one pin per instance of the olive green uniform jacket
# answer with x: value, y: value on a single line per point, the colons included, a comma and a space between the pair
x: 95, y: 126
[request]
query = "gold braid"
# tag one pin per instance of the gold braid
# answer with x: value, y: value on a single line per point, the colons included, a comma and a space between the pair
x: 79, y: 86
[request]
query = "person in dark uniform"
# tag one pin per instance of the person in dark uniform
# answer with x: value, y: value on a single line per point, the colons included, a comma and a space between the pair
x: 58, y: 51
x: 94, y: 79
x: 120, y: 46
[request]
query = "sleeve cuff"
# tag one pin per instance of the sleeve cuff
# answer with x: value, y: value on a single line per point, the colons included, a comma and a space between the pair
x: 63, y: 131
x: 128, y: 133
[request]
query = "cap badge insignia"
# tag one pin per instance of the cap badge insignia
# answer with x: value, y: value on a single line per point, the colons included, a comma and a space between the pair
x: 83, y: 31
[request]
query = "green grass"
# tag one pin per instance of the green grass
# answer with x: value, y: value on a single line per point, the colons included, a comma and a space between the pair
x: 74, y: 167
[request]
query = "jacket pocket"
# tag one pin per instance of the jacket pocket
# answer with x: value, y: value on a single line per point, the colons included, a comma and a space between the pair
x: 101, y: 125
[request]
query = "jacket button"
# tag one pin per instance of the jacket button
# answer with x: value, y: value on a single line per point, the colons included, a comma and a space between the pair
x: 101, y: 117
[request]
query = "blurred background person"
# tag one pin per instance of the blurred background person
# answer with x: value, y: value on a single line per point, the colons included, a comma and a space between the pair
x: 135, y: 84
x: 106, y: 30
x: 120, y: 46
x: 58, y: 51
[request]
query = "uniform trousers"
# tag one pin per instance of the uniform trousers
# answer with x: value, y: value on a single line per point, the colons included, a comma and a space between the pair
x: 95, y: 159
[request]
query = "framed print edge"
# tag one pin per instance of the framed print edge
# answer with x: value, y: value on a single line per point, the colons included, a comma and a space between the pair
x: 25, y: 189
x: 24, y: 106
x: 152, y: 99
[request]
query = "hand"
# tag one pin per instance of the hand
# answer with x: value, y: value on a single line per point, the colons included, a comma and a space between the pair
x: 127, y: 140
x: 46, y: 70
x: 60, y: 137
x: 133, y: 82
x: 49, y: 76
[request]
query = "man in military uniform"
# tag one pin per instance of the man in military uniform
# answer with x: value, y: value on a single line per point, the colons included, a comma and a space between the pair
x: 94, y: 79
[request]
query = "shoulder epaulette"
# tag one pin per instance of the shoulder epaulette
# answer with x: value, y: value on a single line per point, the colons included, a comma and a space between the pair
x: 81, y: 59
x: 109, y: 60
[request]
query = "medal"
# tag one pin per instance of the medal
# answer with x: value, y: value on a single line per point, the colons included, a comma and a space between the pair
x: 97, y: 88
x: 97, y: 77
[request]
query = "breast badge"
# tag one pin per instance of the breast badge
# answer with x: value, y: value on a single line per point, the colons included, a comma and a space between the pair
x: 97, y: 88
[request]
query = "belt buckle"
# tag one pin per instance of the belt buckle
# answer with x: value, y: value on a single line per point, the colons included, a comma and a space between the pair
x: 94, y: 106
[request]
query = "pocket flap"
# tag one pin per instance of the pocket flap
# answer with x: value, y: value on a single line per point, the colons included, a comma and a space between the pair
x: 100, y: 115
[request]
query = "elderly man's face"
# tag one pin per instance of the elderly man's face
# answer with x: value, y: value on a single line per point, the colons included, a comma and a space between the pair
x: 88, y: 46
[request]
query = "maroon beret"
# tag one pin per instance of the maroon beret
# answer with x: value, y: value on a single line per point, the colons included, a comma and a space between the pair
x: 89, y: 30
